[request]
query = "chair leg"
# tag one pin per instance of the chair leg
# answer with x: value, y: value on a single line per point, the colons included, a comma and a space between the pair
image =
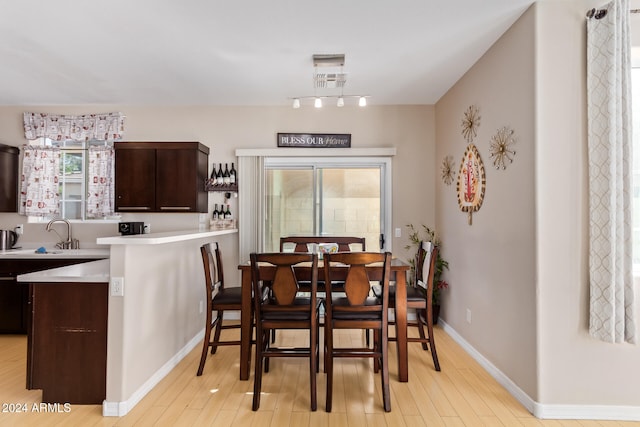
x: 216, y: 334
x: 313, y: 367
x: 376, y: 348
x: 420, y: 323
x: 265, y: 340
x: 257, y: 378
x: 328, y: 365
x: 205, y: 346
x: 432, y: 341
x: 384, y: 361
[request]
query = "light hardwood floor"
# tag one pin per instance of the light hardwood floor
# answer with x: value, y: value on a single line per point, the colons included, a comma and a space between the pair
x: 462, y: 394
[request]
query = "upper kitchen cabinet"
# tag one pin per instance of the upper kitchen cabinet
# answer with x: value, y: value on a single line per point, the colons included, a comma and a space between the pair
x: 9, y: 178
x: 161, y: 176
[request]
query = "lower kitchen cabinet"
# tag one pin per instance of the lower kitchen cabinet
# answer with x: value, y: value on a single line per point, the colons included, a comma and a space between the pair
x: 14, y: 308
x: 67, y: 342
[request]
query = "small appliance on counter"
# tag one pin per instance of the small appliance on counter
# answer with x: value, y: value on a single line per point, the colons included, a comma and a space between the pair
x: 130, y: 228
x: 8, y: 239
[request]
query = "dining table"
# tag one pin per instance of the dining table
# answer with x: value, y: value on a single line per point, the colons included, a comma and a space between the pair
x: 398, y: 269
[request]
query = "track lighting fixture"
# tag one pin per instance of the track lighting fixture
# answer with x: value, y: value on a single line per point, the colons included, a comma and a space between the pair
x: 333, y: 79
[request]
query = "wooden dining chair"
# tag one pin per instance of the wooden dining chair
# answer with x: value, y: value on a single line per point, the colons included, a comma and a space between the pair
x: 356, y: 308
x: 219, y: 299
x: 420, y: 299
x: 278, y: 305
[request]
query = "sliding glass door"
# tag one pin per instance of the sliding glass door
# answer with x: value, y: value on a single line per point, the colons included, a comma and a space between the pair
x: 332, y: 197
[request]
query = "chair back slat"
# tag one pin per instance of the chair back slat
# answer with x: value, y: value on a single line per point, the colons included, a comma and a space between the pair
x: 285, y: 286
x: 356, y: 285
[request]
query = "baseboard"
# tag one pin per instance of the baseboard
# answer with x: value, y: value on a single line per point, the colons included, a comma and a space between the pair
x: 539, y: 410
x: 119, y: 409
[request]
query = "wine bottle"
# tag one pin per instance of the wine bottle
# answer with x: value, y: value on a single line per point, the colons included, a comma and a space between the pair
x: 226, y: 177
x: 214, y: 176
x: 233, y: 174
x: 219, y: 180
x: 216, y: 213
x: 227, y: 214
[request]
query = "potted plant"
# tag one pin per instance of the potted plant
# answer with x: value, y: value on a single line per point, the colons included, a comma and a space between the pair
x: 427, y: 234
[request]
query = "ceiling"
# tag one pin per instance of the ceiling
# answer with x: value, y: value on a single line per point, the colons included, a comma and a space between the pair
x: 240, y: 52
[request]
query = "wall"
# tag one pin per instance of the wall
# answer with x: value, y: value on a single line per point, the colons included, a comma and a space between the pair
x: 574, y: 368
x: 492, y: 262
x: 522, y: 267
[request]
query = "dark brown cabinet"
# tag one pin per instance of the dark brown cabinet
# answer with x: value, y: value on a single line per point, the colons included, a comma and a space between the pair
x: 67, y: 342
x: 161, y: 177
x: 9, y: 178
x: 14, y: 309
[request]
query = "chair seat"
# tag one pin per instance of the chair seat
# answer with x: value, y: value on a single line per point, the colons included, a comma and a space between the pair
x: 414, y: 293
x: 341, y: 312
x: 287, y: 315
x: 228, y: 296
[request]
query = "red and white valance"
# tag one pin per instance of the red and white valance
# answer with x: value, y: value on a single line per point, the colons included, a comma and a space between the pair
x: 99, y: 127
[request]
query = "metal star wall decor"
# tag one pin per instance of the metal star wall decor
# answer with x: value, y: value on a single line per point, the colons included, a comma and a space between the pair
x: 501, y: 148
x: 448, y: 172
x: 470, y: 123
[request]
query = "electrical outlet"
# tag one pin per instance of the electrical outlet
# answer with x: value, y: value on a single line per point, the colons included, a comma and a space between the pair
x: 398, y: 232
x: 147, y: 228
x: 20, y: 229
x: 201, y: 306
x: 468, y: 315
x: 117, y: 286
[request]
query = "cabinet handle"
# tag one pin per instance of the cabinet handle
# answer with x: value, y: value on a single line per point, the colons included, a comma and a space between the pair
x: 175, y: 208
x: 135, y: 208
x: 7, y: 278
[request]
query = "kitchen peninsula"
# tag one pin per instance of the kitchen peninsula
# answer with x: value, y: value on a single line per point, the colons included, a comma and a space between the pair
x: 159, y: 316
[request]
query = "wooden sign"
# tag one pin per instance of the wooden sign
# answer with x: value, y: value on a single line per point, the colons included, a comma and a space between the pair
x: 315, y: 140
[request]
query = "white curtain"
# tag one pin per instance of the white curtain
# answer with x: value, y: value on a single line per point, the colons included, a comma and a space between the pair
x: 250, y: 205
x: 612, y: 312
x: 39, y: 181
x: 100, y: 182
x: 98, y: 127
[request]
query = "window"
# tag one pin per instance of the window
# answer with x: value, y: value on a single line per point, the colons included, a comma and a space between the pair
x: 72, y: 179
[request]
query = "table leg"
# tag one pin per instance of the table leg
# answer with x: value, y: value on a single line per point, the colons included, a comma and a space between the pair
x: 401, y: 326
x: 245, y: 326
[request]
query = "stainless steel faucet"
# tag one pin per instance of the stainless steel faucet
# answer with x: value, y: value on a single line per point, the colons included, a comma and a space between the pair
x: 70, y: 243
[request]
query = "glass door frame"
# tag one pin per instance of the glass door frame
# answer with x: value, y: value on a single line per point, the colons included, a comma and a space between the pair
x: 383, y: 163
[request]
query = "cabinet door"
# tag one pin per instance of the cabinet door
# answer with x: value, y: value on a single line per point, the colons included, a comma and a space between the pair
x: 67, y: 342
x: 8, y: 178
x: 177, y: 180
x: 135, y: 180
x: 11, y: 297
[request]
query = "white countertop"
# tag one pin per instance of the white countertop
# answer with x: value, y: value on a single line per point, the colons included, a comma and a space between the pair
x: 86, y: 272
x: 55, y: 253
x: 161, y: 238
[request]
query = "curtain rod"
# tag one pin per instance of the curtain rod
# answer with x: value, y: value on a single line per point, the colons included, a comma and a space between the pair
x: 601, y: 13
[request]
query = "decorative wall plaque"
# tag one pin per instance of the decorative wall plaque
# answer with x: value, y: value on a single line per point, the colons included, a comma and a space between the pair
x: 470, y: 123
x: 471, y: 181
x: 315, y: 140
x: 448, y: 172
x: 501, y: 148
